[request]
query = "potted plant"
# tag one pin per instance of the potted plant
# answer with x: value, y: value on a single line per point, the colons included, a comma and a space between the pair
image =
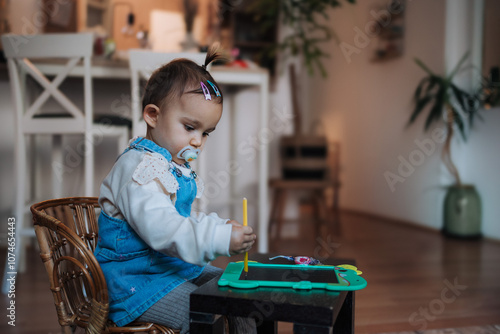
x: 444, y: 100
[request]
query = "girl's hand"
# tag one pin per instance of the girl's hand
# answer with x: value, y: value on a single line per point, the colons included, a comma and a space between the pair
x: 242, y: 238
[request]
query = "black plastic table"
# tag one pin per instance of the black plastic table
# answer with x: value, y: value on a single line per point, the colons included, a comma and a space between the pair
x: 311, y: 311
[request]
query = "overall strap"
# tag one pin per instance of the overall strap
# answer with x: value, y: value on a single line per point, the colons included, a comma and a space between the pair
x: 146, y: 145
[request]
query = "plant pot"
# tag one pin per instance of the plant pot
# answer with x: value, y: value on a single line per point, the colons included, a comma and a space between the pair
x: 462, y: 212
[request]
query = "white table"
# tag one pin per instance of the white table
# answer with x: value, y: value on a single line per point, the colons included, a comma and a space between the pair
x: 118, y: 69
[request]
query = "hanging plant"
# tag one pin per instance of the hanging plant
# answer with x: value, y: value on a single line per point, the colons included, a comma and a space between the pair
x: 443, y: 96
x: 306, y: 35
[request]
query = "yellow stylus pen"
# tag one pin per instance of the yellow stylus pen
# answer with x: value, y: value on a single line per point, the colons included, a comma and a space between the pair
x: 245, y: 223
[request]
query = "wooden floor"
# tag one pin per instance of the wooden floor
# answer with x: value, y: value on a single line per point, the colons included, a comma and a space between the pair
x: 416, y: 278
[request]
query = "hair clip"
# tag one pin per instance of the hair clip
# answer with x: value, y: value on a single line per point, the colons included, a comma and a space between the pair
x: 206, y: 92
x: 214, y: 87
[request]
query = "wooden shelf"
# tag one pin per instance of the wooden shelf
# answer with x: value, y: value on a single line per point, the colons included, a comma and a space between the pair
x: 102, y: 5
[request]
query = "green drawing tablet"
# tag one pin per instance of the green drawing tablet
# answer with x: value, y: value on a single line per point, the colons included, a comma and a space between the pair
x: 291, y: 276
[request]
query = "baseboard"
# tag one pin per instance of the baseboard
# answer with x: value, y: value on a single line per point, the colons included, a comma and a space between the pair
x: 398, y: 221
x: 390, y: 220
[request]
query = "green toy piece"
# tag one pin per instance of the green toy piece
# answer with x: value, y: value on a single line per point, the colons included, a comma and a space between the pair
x: 300, y: 277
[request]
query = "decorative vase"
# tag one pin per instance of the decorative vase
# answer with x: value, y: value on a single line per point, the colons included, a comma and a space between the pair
x: 462, y: 212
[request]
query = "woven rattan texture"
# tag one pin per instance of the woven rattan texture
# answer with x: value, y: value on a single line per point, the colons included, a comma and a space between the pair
x: 67, y: 233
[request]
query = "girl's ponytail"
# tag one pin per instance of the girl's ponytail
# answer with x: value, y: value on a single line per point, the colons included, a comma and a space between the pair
x: 213, y: 53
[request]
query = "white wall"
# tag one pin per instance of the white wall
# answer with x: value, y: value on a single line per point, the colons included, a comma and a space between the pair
x: 26, y: 17
x: 482, y: 170
x: 366, y: 106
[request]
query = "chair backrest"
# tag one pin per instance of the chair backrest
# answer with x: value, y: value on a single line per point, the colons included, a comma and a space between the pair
x: 66, y: 230
x: 67, y: 233
x: 73, y: 48
x: 142, y: 64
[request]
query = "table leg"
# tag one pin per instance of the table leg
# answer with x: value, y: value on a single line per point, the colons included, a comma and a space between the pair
x: 345, y: 319
x: 268, y: 327
x: 204, y: 323
x: 344, y: 324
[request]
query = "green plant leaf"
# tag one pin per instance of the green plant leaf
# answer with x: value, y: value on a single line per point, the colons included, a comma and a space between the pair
x: 420, y: 87
x: 457, y: 119
x: 475, y: 107
x: 434, y: 81
x: 458, y: 66
x: 423, y: 66
x: 461, y: 97
x: 436, y: 111
x: 419, y: 106
x: 470, y: 104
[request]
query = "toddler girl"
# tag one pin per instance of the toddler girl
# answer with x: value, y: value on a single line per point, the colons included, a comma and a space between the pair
x: 152, y: 248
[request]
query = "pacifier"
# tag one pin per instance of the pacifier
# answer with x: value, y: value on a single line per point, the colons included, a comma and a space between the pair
x: 188, y: 153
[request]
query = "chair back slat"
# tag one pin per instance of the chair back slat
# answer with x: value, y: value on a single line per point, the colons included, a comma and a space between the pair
x: 79, y: 221
x: 67, y: 218
x: 92, y: 226
x: 51, y: 88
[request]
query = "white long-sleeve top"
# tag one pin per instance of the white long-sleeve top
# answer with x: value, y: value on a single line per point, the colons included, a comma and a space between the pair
x: 140, y: 189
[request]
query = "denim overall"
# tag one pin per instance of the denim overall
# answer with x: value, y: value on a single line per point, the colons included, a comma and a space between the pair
x: 138, y: 276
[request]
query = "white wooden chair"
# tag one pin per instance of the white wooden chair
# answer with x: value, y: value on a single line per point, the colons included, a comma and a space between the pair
x: 20, y: 51
x: 142, y: 64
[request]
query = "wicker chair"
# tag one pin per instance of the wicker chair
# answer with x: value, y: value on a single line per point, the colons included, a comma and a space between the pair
x: 67, y: 233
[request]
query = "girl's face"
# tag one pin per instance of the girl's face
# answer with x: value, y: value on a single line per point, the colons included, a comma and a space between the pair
x: 188, y: 121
